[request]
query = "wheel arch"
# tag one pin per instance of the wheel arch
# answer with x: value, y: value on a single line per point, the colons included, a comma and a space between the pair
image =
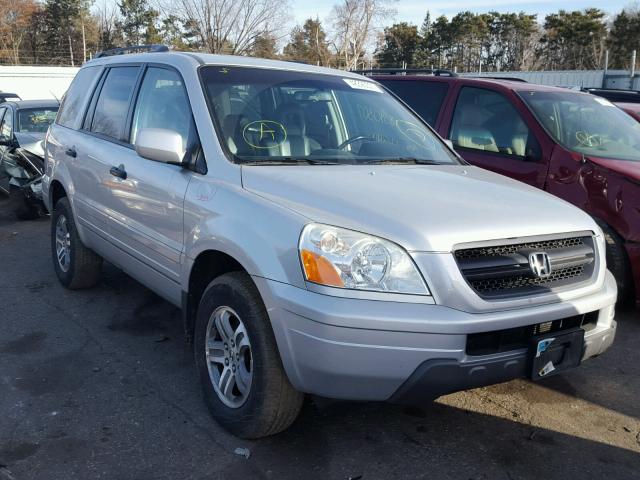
x: 56, y: 192
x: 207, y: 266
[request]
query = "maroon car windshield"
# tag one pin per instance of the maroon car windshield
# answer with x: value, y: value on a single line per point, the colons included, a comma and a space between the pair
x: 586, y: 124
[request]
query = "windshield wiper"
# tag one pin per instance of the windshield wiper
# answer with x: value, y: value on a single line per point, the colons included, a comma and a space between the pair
x: 402, y: 161
x: 289, y: 161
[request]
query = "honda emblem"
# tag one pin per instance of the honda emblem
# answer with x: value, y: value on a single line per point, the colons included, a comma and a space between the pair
x: 540, y: 264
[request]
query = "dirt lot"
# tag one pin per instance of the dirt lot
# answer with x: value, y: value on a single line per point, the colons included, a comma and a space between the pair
x: 100, y: 384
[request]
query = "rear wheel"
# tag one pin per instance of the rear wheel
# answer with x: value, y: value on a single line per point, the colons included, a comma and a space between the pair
x: 617, y: 261
x: 76, y: 266
x: 243, y: 380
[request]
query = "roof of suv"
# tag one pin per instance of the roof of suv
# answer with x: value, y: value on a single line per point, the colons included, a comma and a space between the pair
x: 19, y: 104
x: 514, y: 85
x: 226, y: 60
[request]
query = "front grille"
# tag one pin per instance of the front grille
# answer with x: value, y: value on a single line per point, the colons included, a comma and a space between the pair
x: 500, y: 271
x: 510, y: 249
x: 498, y: 341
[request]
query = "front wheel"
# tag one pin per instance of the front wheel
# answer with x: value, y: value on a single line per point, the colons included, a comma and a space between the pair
x: 245, y: 386
x: 76, y: 266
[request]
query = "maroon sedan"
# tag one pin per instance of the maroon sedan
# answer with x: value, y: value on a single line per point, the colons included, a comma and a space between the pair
x: 575, y: 145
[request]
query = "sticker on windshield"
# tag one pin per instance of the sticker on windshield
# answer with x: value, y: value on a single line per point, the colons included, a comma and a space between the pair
x: 362, y: 85
x: 604, y: 101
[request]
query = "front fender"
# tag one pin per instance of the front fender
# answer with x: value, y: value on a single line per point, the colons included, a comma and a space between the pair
x: 259, y: 234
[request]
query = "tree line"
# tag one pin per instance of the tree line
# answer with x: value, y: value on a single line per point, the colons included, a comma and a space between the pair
x: 69, y: 32
x: 565, y: 40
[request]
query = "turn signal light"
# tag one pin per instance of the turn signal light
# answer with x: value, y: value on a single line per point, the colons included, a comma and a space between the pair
x: 319, y: 270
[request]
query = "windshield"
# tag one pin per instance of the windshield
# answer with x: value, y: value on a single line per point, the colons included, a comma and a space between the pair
x: 586, y: 124
x: 36, y: 120
x: 271, y: 116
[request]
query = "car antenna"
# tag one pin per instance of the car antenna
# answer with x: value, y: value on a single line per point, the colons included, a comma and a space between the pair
x: 54, y: 96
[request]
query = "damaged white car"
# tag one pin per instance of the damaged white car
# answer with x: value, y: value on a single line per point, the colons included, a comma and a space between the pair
x: 22, y: 130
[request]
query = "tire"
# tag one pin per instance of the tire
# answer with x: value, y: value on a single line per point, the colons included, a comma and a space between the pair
x: 81, y: 268
x: 617, y: 261
x: 270, y: 404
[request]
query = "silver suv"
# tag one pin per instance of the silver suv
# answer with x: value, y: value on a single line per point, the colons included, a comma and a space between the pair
x: 318, y: 236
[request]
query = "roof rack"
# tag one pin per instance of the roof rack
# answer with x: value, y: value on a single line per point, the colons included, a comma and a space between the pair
x: 613, y: 90
x: 407, y: 71
x: 132, y: 49
x: 615, y: 95
x: 508, y: 79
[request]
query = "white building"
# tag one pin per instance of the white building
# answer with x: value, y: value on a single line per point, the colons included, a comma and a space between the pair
x: 33, y: 83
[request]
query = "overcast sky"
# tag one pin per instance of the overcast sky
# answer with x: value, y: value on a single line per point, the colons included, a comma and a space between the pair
x: 413, y: 11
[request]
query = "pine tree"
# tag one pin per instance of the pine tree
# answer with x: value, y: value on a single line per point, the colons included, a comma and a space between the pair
x: 138, y: 22
x: 63, y: 21
x: 308, y: 44
x: 399, y: 45
x: 624, y: 36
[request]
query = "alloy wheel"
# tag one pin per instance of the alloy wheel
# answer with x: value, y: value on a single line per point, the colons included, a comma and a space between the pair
x: 63, y: 244
x: 229, y: 357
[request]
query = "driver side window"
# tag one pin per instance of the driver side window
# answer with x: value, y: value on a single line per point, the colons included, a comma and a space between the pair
x: 485, y: 120
x: 163, y: 103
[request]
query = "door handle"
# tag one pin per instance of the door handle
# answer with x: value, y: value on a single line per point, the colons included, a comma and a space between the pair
x: 71, y: 152
x: 119, y: 172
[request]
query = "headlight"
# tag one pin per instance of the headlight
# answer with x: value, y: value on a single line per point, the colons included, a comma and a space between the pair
x: 341, y: 258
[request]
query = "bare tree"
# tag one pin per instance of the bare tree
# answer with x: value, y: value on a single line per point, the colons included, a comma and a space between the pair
x: 233, y: 26
x: 15, y: 17
x: 354, y: 23
x: 108, y: 35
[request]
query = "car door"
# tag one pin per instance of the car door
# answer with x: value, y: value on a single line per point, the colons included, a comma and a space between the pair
x: 90, y: 151
x: 487, y: 130
x: 67, y: 144
x: 144, y: 199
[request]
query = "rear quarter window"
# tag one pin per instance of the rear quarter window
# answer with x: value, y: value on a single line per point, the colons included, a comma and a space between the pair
x: 73, y: 101
x: 425, y: 98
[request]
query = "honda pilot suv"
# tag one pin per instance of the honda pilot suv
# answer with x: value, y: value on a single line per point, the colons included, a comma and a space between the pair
x: 318, y: 236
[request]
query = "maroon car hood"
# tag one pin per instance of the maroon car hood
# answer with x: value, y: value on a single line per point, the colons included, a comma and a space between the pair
x: 632, y: 109
x: 628, y: 168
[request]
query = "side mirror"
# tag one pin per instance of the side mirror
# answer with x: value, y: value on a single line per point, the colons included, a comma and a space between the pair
x: 160, y: 145
x: 449, y: 143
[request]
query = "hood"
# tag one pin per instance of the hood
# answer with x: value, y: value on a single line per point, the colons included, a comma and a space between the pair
x: 422, y: 208
x: 632, y: 109
x: 627, y: 168
x: 32, y: 142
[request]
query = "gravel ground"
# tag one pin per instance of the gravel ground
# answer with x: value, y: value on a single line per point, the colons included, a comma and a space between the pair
x: 100, y: 384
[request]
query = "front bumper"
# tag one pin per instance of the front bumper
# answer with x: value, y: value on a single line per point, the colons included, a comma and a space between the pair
x: 377, y: 350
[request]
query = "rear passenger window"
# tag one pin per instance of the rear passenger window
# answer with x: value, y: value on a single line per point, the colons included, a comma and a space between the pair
x: 485, y: 120
x: 70, y: 109
x: 162, y: 103
x: 110, y: 114
x: 425, y: 98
